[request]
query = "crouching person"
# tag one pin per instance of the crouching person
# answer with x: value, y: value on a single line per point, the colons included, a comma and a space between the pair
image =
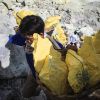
x: 29, y: 25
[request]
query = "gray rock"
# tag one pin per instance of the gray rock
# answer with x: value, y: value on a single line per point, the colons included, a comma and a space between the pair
x: 18, y: 65
x: 1, y: 1
x: 4, y: 57
x: 12, y: 57
x: 60, y: 1
x: 8, y: 3
x: 3, y: 9
x: 10, y: 89
x: 20, y: 1
x: 29, y: 2
x: 6, y: 24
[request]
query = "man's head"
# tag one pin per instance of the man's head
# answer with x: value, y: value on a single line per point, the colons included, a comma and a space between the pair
x: 31, y: 24
x: 75, y: 32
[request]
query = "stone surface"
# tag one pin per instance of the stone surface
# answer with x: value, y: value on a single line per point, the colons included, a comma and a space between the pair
x: 6, y: 24
x: 12, y: 57
x: 61, y: 1
x: 17, y: 63
x: 1, y: 1
x: 3, y: 9
x: 8, y: 3
x: 4, y: 58
x: 76, y: 14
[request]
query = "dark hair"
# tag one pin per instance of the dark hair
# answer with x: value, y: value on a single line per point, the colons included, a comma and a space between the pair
x: 31, y: 24
x: 75, y: 32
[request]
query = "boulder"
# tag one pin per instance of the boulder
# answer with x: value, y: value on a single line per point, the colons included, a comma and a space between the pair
x: 3, y: 9
x: 12, y: 58
x: 17, y: 62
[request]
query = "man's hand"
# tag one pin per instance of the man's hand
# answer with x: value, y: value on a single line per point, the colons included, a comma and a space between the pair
x: 29, y: 41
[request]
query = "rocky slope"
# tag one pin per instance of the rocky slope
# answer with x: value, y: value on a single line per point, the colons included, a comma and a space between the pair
x: 76, y: 14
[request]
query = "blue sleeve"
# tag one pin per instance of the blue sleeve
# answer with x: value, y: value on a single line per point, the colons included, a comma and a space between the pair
x: 17, y: 39
x: 60, y: 45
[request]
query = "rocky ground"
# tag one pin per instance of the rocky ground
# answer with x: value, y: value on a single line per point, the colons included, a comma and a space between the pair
x: 76, y: 14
